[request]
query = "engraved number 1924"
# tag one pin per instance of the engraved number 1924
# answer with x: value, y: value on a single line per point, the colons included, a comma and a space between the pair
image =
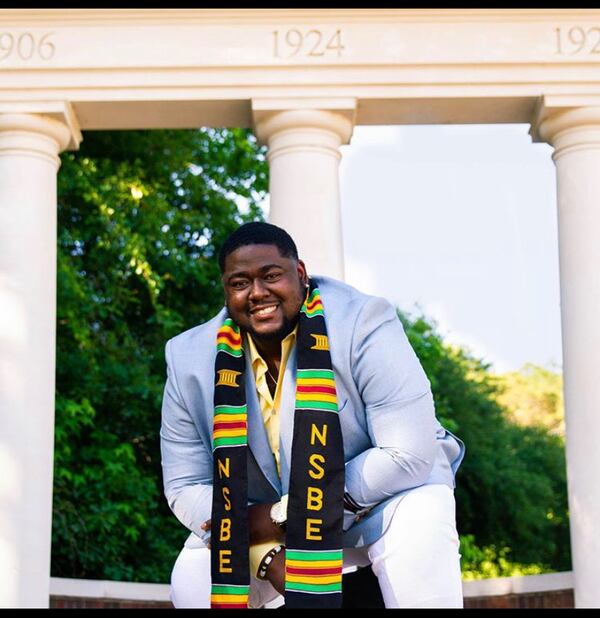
x: 311, y: 43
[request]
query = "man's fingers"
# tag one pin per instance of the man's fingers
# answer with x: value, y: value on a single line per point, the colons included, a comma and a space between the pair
x: 206, y: 526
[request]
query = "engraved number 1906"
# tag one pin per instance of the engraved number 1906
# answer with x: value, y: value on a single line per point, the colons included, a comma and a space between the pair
x: 25, y: 46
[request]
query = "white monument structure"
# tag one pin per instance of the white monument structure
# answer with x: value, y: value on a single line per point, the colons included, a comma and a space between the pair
x: 302, y: 79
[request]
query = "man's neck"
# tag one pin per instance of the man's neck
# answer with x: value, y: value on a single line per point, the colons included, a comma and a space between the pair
x: 269, y: 349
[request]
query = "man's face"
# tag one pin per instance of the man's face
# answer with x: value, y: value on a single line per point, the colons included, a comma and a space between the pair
x: 264, y: 291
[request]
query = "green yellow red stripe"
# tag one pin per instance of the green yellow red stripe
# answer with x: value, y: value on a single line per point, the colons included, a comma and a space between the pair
x: 313, y: 571
x: 314, y: 563
x: 230, y: 426
x: 229, y: 338
x: 224, y: 596
x: 315, y: 390
x: 313, y: 305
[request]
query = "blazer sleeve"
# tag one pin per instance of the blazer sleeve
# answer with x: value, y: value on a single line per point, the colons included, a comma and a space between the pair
x: 398, y: 406
x: 186, y: 461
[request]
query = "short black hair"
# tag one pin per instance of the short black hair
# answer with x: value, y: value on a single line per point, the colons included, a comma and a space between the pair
x: 258, y: 233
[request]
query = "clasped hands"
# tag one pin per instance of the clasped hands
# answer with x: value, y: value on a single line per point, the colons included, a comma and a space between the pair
x: 260, y: 529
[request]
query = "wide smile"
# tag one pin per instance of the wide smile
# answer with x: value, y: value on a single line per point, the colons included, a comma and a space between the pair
x: 265, y: 312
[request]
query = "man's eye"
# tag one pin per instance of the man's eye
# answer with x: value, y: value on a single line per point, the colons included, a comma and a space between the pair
x: 238, y: 285
x: 272, y: 276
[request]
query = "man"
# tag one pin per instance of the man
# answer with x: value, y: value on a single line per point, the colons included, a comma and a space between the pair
x: 389, y: 502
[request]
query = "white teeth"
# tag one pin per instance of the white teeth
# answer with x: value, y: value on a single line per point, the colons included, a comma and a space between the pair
x: 266, y: 310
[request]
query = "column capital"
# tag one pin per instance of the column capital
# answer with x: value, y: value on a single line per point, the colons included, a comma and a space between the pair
x: 272, y: 116
x: 24, y: 132
x: 567, y: 122
x: 55, y: 118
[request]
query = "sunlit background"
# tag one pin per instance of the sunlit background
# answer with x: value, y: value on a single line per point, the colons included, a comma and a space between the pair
x: 458, y: 223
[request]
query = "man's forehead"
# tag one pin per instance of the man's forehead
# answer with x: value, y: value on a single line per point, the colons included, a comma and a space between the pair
x: 255, y: 256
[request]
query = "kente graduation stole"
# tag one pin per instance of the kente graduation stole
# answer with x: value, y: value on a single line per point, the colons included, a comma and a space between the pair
x: 313, y: 554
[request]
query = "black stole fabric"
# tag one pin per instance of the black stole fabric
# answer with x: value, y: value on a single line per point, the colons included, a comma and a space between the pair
x: 315, y: 509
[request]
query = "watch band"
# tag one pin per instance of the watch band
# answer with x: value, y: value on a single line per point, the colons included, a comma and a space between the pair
x: 351, y: 505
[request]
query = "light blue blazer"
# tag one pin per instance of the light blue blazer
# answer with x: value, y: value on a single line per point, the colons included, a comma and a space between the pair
x: 392, y: 439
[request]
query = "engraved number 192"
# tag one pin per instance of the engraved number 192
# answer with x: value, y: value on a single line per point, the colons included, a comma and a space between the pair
x: 576, y: 40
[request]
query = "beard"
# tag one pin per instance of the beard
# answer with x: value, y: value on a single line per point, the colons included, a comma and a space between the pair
x: 284, y: 330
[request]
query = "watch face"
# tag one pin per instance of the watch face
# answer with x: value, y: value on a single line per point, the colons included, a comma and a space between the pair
x: 283, y: 507
x: 279, y: 511
x: 276, y: 513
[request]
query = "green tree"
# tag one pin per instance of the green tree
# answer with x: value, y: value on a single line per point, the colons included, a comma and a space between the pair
x: 533, y: 397
x: 140, y: 216
x: 511, y: 491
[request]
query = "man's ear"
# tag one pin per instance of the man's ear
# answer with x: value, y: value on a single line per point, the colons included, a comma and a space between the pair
x: 302, y: 272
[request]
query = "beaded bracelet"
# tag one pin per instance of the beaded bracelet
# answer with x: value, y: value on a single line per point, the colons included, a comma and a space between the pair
x: 266, y: 561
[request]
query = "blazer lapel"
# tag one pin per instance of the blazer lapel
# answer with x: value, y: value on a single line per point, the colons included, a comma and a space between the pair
x: 258, y: 442
x: 286, y: 419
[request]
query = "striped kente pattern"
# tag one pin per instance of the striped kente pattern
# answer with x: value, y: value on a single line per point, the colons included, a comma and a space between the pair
x: 229, y: 596
x: 229, y: 338
x: 315, y: 390
x: 316, y: 572
x: 230, y: 426
x: 313, y: 305
x: 313, y: 561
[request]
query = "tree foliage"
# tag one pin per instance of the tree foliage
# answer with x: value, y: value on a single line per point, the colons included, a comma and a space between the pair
x: 140, y: 215
x: 511, y: 491
x: 533, y: 397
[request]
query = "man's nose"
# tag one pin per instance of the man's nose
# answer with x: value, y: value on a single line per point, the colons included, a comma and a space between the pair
x: 257, y: 289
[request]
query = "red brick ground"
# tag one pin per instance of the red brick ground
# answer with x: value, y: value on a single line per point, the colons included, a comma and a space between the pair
x: 550, y: 599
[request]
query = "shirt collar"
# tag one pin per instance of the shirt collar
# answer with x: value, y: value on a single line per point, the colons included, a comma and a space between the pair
x: 255, y: 357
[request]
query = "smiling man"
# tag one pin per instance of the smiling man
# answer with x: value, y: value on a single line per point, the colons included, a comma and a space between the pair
x: 299, y: 441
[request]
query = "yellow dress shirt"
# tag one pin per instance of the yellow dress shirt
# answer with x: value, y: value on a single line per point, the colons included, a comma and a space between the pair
x: 269, y: 407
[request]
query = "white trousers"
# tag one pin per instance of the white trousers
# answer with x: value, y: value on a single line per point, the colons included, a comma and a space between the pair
x: 416, y: 561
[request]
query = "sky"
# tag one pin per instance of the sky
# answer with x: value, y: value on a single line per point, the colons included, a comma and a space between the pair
x: 458, y: 223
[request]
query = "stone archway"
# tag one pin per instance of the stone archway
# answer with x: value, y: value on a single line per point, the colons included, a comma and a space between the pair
x: 302, y: 79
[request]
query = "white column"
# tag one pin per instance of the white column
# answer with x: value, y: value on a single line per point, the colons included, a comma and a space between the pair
x: 575, y: 135
x: 29, y: 148
x: 304, y: 154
